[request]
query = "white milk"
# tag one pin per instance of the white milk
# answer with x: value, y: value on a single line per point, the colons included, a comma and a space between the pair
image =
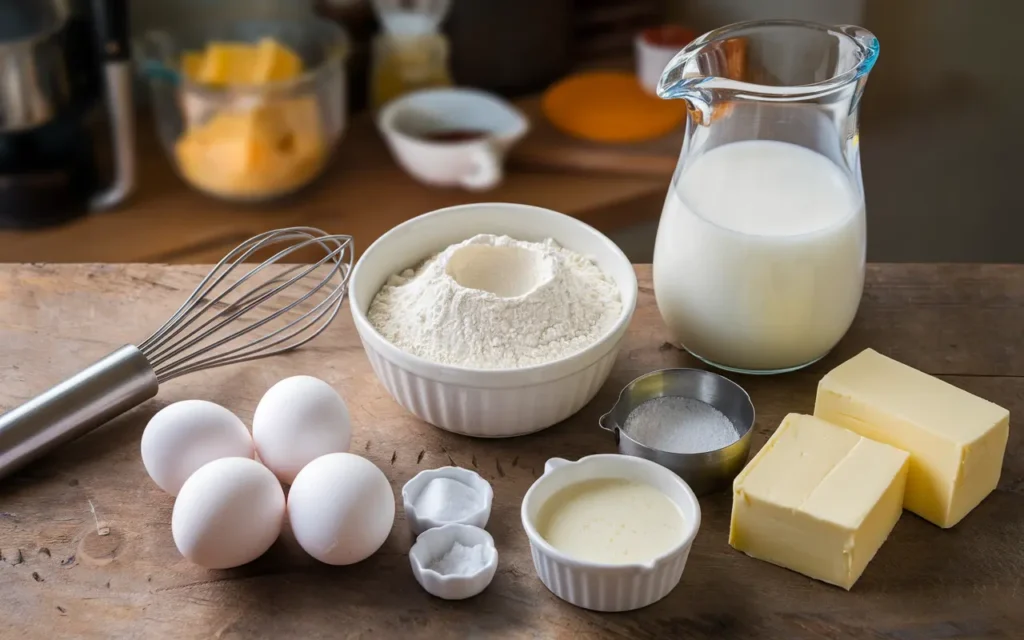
x: 759, y: 261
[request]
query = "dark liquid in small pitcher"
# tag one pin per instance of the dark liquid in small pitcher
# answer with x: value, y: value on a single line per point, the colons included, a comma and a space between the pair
x: 453, y: 135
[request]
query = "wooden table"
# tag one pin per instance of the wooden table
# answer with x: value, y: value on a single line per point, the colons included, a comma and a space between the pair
x: 86, y: 539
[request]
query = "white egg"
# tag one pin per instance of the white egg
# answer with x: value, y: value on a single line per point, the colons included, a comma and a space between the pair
x: 228, y: 513
x: 298, y: 420
x: 184, y: 436
x: 341, y: 508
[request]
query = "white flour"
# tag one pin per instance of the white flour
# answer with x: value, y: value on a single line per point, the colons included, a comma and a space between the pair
x: 492, y: 302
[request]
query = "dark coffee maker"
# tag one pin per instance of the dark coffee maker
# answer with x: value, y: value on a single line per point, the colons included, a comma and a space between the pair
x: 63, y: 65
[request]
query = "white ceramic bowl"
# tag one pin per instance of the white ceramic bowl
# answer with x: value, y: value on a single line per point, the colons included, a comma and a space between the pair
x: 419, y: 523
x: 489, y: 403
x: 434, y: 543
x: 609, y: 587
x: 476, y: 163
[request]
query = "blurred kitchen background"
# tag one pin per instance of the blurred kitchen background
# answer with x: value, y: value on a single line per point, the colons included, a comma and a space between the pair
x: 942, y: 126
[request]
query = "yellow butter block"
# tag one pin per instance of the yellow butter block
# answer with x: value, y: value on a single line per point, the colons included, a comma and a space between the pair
x: 192, y: 63
x: 818, y: 499
x: 956, y: 440
x: 301, y: 114
x: 301, y: 117
x: 228, y: 63
x: 263, y: 151
x: 275, y: 62
x: 241, y: 63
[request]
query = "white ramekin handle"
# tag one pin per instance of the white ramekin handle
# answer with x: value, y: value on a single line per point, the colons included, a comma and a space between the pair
x: 487, y: 172
x: 554, y: 463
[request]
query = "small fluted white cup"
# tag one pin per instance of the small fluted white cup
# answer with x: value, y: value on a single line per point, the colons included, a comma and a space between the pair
x: 434, y: 543
x: 419, y: 522
x: 609, y: 587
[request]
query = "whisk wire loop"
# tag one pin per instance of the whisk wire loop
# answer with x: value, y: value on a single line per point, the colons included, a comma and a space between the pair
x: 240, y: 311
x: 231, y: 318
x: 181, y: 319
x: 223, y: 310
x: 236, y: 309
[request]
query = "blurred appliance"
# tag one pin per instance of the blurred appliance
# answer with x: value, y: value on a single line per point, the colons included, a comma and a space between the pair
x: 510, y: 47
x: 63, y: 63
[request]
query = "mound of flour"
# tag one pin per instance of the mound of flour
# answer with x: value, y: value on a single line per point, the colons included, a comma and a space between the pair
x: 493, y: 302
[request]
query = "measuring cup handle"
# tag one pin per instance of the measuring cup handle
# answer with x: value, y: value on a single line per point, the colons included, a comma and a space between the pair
x: 606, y: 423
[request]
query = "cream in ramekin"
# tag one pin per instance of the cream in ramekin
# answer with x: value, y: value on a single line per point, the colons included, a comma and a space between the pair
x: 606, y: 586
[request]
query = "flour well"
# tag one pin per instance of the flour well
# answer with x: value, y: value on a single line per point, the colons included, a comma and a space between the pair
x: 493, y: 302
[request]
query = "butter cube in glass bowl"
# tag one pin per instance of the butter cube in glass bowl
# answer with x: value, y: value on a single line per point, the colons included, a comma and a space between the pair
x: 248, y: 110
x: 818, y: 499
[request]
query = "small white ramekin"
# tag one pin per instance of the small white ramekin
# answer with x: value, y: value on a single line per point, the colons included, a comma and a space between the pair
x: 609, y: 587
x: 419, y: 523
x: 492, y: 403
x: 434, y: 543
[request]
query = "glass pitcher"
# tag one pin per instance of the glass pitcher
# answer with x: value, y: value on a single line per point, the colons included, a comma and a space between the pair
x: 759, y: 259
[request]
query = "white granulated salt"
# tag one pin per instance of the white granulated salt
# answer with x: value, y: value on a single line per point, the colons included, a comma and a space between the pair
x: 461, y: 560
x: 680, y: 425
x: 447, y: 500
x: 493, y: 302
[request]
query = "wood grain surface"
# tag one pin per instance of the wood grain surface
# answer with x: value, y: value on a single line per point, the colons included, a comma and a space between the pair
x: 86, y: 542
x: 546, y: 147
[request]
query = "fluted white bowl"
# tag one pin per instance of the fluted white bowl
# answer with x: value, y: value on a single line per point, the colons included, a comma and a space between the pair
x: 434, y: 543
x: 419, y: 522
x: 491, y: 403
x: 609, y: 587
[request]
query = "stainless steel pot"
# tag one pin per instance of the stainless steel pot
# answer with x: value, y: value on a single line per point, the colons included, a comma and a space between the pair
x: 34, y: 82
x: 33, y: 78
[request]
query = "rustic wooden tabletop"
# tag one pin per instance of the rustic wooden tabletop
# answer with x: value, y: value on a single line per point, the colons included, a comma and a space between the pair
x: 86, y: 542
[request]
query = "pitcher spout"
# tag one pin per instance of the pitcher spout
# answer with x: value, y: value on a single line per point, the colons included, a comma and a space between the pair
x: 771, y: 60
x: 698, y: 69
x: 702, y: 62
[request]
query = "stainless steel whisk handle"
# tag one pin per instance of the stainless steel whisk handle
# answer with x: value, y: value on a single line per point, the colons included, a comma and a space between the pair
x: 119, y: 382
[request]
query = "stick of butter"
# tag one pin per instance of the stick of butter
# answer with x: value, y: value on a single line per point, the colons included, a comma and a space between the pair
x: 956, y: 440
x: 818, y: 499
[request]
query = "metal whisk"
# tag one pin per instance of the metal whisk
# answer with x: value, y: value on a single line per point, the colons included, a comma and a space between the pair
x: 240, y: 311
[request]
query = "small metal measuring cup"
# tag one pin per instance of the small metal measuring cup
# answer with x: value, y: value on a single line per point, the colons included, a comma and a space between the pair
x: 707, y: 471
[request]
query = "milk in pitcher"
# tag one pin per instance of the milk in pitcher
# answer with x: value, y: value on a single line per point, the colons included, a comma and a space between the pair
x: 759, y: 260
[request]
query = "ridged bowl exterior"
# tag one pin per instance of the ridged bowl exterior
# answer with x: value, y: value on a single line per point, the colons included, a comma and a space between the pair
x: 491, y: 413
x: 603, y: 586
x: 494, y: 403
x: 601, y: 589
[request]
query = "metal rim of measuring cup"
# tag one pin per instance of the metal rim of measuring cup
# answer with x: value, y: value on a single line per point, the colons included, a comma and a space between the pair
x: 705, y: 471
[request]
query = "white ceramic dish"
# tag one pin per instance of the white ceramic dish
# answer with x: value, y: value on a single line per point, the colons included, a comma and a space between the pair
x: 412, y: 489
x: 609, y: 587
x: 434, y: 543
x: 497, y: 402
x: 474, y: 164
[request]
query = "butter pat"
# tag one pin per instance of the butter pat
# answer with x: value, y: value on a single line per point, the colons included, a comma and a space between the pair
x: 956, y: 440
x: 818, y: 499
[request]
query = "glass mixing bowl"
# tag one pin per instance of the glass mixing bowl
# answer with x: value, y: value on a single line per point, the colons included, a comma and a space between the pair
x: 249, y: 142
